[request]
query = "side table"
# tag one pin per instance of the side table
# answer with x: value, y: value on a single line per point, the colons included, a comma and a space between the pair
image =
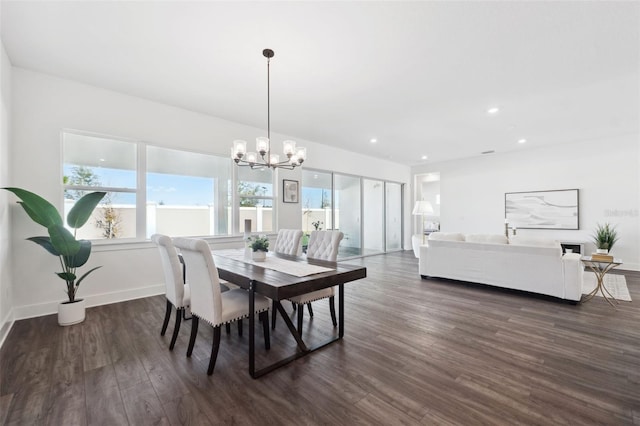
x: 600, y: 268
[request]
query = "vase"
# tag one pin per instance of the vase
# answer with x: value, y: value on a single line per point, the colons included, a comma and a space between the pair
x: 602, y: 251
x: 71, y: 313
x: 259, y: 256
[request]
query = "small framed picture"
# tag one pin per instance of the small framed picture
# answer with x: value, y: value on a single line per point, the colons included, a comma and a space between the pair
x: 290, y: 191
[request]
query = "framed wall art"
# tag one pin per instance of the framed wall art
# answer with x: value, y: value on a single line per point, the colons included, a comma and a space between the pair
x: 554, y: 209
x: 290, y: 190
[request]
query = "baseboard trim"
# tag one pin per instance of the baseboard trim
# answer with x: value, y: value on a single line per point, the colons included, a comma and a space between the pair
x: 48, y: 308
x: 5, y: 327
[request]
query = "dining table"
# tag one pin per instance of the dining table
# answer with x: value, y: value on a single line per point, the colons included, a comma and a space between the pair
x: 281, y: 277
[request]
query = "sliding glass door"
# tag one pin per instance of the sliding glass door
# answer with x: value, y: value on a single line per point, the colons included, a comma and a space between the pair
x: 367, y: 211
x: 347, y: 213
x: 373, y: 216
x: 393, y: 215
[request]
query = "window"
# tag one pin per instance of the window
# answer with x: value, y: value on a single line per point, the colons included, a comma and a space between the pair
x: 316, y: 200
x: 97, y: 164
x: 187, y: 193
x: 161, y: 190
x: 255, y: 199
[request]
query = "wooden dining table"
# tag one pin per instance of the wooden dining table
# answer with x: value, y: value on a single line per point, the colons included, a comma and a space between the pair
x: 279, y: 286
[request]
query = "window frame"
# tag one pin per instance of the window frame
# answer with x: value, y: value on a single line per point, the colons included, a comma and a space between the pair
x: 141, y: 189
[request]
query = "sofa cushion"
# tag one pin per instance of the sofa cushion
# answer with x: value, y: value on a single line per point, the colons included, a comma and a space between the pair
x: 446, y: 236
x: 486, y: 238
x: 537, y: 242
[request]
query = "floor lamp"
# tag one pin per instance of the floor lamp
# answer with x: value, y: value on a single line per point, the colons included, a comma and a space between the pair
x: 422, y: 208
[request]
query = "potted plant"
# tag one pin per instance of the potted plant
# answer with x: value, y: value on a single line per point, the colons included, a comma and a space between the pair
x: 62, y: 243
x: 605, y: 237
x: 259, y: 247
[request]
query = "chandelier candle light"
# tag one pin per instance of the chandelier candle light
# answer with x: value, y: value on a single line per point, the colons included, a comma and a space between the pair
x: 264, y: 157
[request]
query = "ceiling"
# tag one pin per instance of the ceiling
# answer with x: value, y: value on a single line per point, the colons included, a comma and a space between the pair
x: 417, y: 76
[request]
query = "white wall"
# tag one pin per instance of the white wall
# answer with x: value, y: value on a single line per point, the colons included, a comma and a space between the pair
x: 6, y: 303
x: 605, y: 171
x: 43, y: 105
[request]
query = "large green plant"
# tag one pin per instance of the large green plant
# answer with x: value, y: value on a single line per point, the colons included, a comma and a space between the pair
x: 61, y: 242
x: 605, y: 236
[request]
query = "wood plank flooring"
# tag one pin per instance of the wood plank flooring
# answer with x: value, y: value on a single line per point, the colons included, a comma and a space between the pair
x: 415, y: 352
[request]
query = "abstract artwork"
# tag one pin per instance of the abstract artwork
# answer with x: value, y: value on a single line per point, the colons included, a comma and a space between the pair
x: 556, y: 209
x: 290, y: 191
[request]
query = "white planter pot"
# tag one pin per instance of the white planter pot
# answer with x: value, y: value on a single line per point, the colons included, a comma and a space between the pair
x: 259, y: 256
x: 71, y: 313
x: 602, y: 251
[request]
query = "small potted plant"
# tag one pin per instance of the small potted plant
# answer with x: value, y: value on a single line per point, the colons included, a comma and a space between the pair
x: 605, y: 237
x: 63, y: 244
x: 260, y: 247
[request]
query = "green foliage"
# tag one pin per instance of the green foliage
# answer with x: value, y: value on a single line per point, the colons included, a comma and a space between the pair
x: 605, y: 236
x: 61, y: 242
x: 252, y: 190
x: 259, y: 243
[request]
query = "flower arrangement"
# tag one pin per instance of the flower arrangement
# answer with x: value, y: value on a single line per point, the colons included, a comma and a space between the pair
x: 317, y: 225
x: 260, y: 243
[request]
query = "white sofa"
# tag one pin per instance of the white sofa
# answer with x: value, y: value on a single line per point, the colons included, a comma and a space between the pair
x: 533, y: 265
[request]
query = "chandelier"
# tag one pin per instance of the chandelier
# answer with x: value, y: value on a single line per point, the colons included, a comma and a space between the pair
x: 264, y: 157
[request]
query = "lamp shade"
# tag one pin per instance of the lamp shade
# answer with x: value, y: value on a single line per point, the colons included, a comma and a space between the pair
x: 422, y: 207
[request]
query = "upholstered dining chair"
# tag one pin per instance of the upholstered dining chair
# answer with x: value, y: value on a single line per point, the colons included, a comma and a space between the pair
x: 323, y: 245
x: 288, y: 241
x: 177, y: 292
x: 211, y: 305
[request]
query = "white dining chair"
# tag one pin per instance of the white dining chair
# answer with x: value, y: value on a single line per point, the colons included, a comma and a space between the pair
x: 323, y: 245
x: 177, y: 291
x: 211, y: 305
x: 288, y: 241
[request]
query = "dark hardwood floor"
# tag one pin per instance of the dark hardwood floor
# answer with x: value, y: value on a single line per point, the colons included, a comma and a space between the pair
x: 415, y: 352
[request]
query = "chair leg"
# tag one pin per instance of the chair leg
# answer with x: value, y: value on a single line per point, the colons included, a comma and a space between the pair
x: 274, y: 313
x: 176, y: 329
x: 264, y: 317
x: 294, y: 306
x: 300, y: 314
x: 194, y: 332
x: 239, y: 327
x: 227, y: 326
x: 332, y: 309
x: 214, y: 350
x: 167, y: 315
x: 310, y: 309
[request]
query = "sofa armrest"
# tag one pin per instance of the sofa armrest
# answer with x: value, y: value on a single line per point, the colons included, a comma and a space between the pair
x: 573, y: 271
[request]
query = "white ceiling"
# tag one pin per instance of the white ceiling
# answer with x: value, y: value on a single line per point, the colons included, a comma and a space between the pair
x: 418, y: 76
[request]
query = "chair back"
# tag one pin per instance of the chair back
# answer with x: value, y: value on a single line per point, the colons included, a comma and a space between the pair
x: 172, y: 269
x: 324, y: 245
x: 289, y: 241
x: 206, y: 300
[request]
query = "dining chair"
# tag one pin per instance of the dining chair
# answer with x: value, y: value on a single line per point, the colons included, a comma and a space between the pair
x: 177, y: 291
x: 323, y: 245
x: 288, y: 241
x: 210, y: 304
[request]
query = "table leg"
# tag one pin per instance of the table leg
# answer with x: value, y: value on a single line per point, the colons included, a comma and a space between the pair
x: 252, y: 337
x: 291, y: 327
x: 341, y: 311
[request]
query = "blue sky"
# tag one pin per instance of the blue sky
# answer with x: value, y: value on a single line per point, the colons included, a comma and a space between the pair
x: 176, y: 189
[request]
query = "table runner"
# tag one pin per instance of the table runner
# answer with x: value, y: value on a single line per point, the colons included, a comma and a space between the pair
x: 297, y: 269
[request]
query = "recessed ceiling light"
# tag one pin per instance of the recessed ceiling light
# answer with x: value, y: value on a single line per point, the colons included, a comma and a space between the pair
x: 373, y: 140
x: 102, y: 160
x: 493, y: 110
x: 424, y: 157
x: 522, y: 140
